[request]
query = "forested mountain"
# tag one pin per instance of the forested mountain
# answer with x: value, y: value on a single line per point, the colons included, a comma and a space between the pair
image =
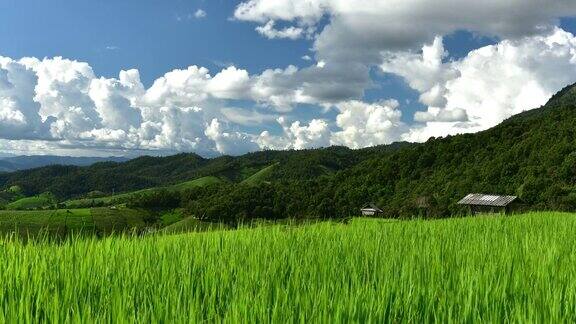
x: 23, y: 162
x: 7, y: 166
x: 143, y: 172
x: 532, y: 155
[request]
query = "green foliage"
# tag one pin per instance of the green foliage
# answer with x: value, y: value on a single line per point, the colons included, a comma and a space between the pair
x: 44, y: 200
x: 132, y: 197
x: 10, y: 195
x: 190, y: 224
x: 237, y: 203
x: 170, y: 217
x: 14, y: 190
x: 121, y: 220
x: 261, y: 176
x: 162, y: 199
x: 95, y: 194
x: 50, y: 222
x: 483, y: 269
x: 201, y: 182
x: 66, y: 222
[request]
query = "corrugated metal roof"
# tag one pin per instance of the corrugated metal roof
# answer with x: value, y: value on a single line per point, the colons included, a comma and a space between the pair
x: 371, y: 206
x: 487, y: 200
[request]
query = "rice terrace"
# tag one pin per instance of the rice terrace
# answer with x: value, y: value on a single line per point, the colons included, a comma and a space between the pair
x: 288, y: 161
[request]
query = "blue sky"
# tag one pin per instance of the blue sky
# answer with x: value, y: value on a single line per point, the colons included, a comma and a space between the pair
x: 362, y: 84
x: 153, y: 36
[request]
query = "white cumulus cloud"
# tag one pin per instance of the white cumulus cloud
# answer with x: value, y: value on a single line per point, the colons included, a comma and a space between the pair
x: 377, y: 25
x: 363, y: 124
x: 229, y: 142
x: 270, y: 32
x: 490, y: 84
x: 200, y: 14
x: 61, y: 103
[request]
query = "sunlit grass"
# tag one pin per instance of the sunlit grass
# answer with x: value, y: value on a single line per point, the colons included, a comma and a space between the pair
x: 519, y: 268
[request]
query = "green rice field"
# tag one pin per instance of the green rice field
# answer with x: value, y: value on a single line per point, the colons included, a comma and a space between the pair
x: 31, y: 202
x: 64, y: 222
x: 121, y: 198
x: 484, y: 269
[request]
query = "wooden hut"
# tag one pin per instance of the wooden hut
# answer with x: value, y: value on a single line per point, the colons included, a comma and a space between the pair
x: 482, y: 203
x: 422, y: 205
x: 371, y: 210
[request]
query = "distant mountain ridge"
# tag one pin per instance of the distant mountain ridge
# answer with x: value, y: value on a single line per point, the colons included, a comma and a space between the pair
x: 69, y: 181
x: 23, y: 162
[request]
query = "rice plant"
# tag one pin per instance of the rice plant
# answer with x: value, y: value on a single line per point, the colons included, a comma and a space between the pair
x: 490, y: 268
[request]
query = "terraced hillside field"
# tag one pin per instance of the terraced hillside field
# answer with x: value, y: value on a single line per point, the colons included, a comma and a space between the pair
x: 120, y: 198
x: 64, y: 222
x: 27, y: 203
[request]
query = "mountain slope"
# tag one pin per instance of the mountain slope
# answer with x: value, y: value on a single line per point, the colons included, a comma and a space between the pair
x: 129, y: 196
x: 6, y: 166
x: 261, y: 176
x: 532, y: 155
x: 23, y: 162
x: 145, y: 172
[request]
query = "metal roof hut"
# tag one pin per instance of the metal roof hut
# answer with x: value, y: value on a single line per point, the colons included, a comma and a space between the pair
x: 371, y: 210
x: 481, y: 203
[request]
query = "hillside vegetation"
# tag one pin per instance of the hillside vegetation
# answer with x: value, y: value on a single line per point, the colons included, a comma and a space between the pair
x: 531, y: 155
x: 14, y: 163
x: 66, y: 222
x: 263, y: 175
x: 484, y: 269
x: 133, y: 195
x: 34, y: 202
